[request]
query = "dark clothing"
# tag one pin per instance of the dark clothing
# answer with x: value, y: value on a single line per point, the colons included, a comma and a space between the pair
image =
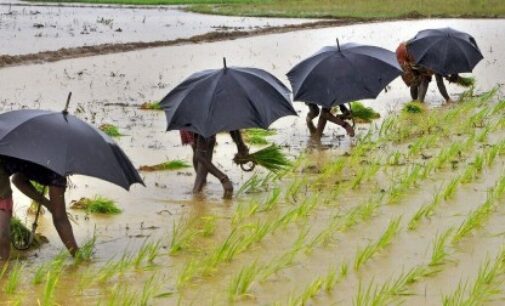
x: 33, y: 172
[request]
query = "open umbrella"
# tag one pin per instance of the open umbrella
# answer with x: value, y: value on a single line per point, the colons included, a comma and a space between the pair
x: 343, y: 73
x: 226, y: 99
x: 64, y: 144
x: 445, y: 51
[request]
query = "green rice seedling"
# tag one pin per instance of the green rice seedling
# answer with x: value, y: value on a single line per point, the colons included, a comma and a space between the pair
x: 19, y: 232
x: 52, y: 278
x: 475, y: 219
x: 241, y: 283
x: 469, y: 174
x: 465, y: 81
x: 257, y: 136
x: 121, y: 295
x: 330, y: 280
x: 189, y: 271
x: 154, y: 105
x: 363, y: 114
x: 363, y: 255
x: 361, y: 212
x: 294, y: 188
x: 310, y: 291
x: 244, y: 210
x: 208, y: 225
x: 450, y: 189
x: 257, y: 183
x: 110, y: 129
x: 97, y: 205
x: 153, y: 250
x: 499, y: 107
x: 141, y: 255
x: 414, y: 108
x: 86, y: 251
x: 148, y: 291
x: 424, y: 211
x: 457, y: 297
x: 272, y: 200
x: 39, y: 274
x: 484, y: 134
x: 491, y: 154
x: 439, y: 253
x: 170, y: 165
x: 182, y: 235
x: 395, y: 158
x: 270, y: 158
x: 344, y: 270
x: 14, y: 278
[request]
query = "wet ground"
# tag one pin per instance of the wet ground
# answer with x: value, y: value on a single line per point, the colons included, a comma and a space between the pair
x: 33, y: 28
x: 100, y: 84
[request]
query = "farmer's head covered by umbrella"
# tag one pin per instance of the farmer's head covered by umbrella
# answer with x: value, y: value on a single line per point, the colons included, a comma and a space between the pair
x: 444, y: 53
x: 46, y: 147
x: 340, y: 74
x: 223, y: 100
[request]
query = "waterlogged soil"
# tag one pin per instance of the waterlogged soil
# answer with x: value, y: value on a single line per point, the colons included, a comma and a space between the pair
x: 109, y: 89
x: 29, y: 29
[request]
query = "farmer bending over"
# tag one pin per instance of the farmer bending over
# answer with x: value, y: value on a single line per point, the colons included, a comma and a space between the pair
x: 418, y: 78
x: 203, y: 149
x: 23, y: 173
x: 325, y: 115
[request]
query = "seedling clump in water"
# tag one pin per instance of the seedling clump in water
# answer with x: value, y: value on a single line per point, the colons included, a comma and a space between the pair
x: 110, y: 130
x: 97, y: 205
x: 168, y: 165
x: 363, y: 114
x: 150, y: 106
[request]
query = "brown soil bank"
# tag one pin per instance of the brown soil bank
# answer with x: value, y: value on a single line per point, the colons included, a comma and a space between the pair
x: 67, y: 53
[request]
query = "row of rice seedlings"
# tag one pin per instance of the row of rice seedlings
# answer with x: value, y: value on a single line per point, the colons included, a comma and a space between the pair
x: 485, y: 286
x: 364, y: 254
x: 246, y: 210
x: 52, y: 277
x: 169, y: 165
x: 183, y: 234
x: 469, y: 175
x: 97, y: 205
x: 14, y: 278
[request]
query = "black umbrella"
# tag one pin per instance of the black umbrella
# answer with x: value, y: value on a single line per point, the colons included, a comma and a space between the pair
x: 339, y: 74
x: 64, y: 144
x: 445, y: 51
x: 226, y: 99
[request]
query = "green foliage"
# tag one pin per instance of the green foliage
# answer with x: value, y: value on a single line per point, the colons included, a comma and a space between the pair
x: 154, y: 105
x: 414, y: 108
x: 176, y: 164
x: 97, y: 205
x: 361, y: 113
x: 110, y: 130
x: 271, y: 158
x: 257, y: 136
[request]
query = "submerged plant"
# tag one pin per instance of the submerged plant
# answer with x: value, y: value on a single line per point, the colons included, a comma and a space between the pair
x: 110, y: 130
x: 97, y: 205
x: 168, y: 165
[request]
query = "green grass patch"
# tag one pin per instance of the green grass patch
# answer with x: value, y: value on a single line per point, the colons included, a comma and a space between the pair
x: 414, y: 108
x: 150, y: 106
x: 110, y: 130
x: 257, y: 136
x: 97, y: 205
x: 351, y: 9
x: 168, y: 165
x: 362, y: 113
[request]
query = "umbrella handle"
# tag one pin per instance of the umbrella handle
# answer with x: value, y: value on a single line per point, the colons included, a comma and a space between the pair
x: 26, y: 244
x: 65, y: 110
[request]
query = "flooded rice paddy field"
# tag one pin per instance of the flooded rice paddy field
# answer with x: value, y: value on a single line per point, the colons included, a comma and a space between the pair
x: 403, y: 216
x: 28, y: 29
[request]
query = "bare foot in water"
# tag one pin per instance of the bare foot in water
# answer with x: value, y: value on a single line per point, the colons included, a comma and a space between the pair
x: 228, y: 189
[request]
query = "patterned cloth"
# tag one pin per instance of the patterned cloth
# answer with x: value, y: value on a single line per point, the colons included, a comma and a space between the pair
x: 187, y: 137
x: 412, y: 73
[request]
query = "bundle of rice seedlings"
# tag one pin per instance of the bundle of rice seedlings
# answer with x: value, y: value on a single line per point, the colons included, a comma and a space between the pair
x: 257, y: 136
x: 270, y: 158
x: 97, y: 205
x: 168, y: 165
x: 20, y: 234
x: 151, y: 106
x: 363, y: 114
x: 110, y: 130
x: 465, y: 81
x: 414, y: 108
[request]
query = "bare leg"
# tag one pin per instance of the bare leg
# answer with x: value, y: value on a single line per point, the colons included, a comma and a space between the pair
x: 205, y: 166
x: 195, y: 159
x: 441, y: 87
x: 60, y: 218
x: 313, y: 113
x: 423, y: 88
x: 5, y: 244
x: 327, y: 115
x: 414, y: 90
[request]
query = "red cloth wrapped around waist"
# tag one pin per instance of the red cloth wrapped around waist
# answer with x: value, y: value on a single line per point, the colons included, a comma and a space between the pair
x: 187, y: 137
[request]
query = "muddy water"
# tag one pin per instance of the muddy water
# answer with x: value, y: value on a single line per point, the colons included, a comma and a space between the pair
x: 135, y: 77
x: 30, y: 29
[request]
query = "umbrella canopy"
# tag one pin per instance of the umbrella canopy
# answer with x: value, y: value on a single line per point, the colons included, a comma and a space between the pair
x: 339, y: 74
x: 226, y: 99
x: 445, y: 51
x: 64, y: 144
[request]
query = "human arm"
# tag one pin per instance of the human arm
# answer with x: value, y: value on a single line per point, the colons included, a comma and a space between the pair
x: 25, y: 186
x: 242, y: 148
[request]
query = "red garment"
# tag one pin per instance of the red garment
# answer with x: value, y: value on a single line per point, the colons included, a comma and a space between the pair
x: 406, y: 62
x: 187, y: 137
x: 6, y: 205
